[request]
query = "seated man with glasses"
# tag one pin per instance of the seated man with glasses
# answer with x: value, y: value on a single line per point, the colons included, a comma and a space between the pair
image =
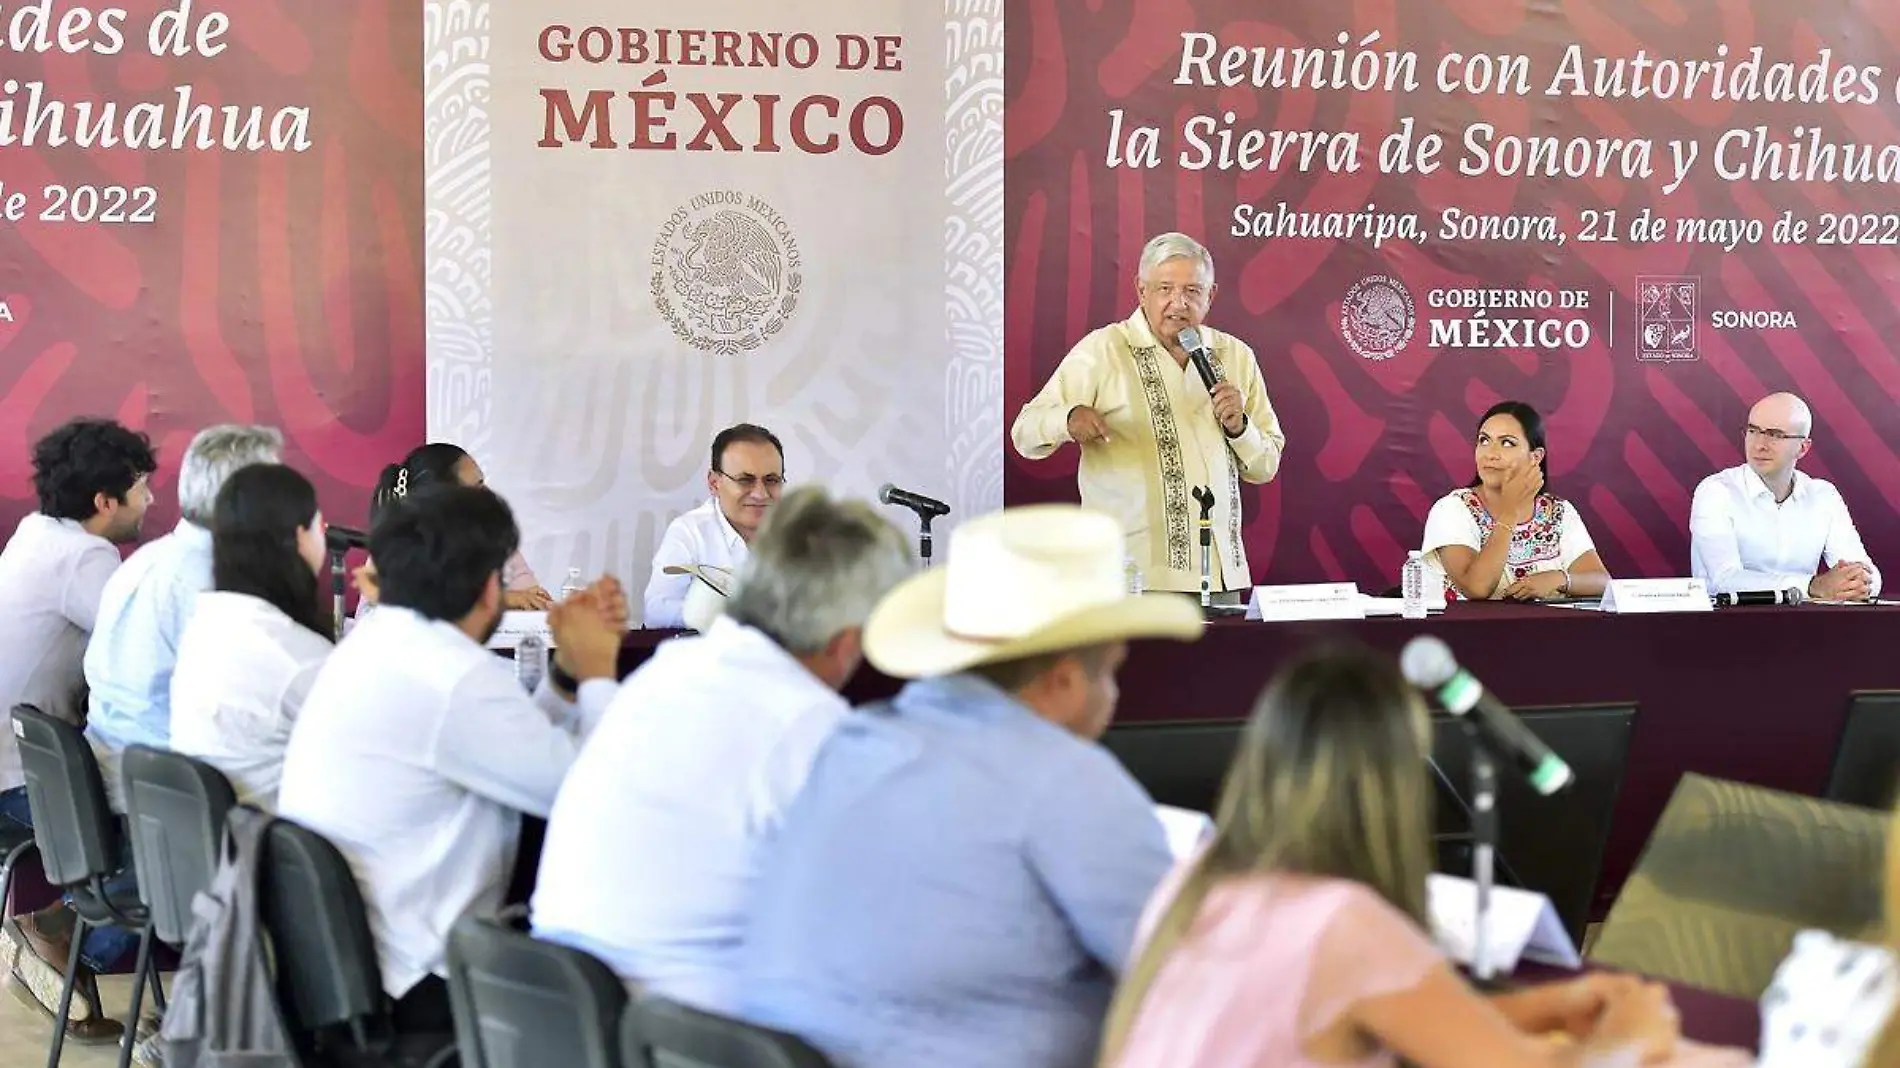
x: 746, y: 478
x: 1763, y: 526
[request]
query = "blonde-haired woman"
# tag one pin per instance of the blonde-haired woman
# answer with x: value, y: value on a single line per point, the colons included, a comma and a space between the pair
x: 1299, y: 937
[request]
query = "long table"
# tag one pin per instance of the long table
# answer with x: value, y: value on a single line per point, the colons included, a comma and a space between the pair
x: 1752, y: 694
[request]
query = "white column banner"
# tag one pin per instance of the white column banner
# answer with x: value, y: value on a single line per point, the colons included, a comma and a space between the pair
x: 644, y: 230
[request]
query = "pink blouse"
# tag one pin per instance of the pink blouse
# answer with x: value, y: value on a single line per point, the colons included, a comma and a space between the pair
x: 1271, y: 961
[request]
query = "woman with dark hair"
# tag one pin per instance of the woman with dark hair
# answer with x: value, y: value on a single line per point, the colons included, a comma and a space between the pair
x: 255, y: 641
x: 1504, y: 536
x: 442, y: 464
x: 1299, y: 936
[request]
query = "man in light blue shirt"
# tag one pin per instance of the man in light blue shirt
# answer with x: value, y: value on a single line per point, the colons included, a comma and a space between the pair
x: 149, y: 598
x: 960, y: 880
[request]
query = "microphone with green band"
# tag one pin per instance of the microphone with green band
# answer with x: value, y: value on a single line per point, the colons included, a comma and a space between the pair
x: 1429, y: 665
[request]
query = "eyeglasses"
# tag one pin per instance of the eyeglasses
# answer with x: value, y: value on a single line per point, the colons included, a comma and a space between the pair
x: 748, y: 483
x: 1772, y: 434
x: 1191, y: 293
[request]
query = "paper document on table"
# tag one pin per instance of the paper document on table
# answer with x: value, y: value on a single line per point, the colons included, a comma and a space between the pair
x: 1185, y: 828
x: 1382, y: 606
x: 518, y: 625
x: 1524, y: 925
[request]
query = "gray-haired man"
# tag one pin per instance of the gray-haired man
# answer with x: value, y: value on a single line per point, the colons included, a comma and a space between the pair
x: 1152, y: 433
x: 703, y: 750
x: 146, y: 603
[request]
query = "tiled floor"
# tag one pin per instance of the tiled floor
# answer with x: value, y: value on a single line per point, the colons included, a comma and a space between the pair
x: 24, y: 1032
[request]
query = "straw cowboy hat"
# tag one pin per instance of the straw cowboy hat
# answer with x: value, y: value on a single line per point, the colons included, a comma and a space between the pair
x: 1018, y: 583
x: 706, y: 597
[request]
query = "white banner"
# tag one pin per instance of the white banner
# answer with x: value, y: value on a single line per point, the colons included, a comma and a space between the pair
x: 644, y: 230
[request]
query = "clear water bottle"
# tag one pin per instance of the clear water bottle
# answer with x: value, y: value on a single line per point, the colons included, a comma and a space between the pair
x: 1131, y: 574
x: 1412, y: 585
x: 573, y: 585
x: 531, y: 662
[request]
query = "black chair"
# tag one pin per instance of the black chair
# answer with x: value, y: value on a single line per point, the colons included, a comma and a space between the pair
x: 1867, y: 758
x: 329, y: 981
x: 523, y: 1003
x: 15, y: 844
x: 175, y: 809
x: 656, y: 1033
x: 1551, y: 844
x: 79, y: 843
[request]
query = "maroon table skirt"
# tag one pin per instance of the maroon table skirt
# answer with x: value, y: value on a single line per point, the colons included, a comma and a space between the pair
x: 1756, y: 695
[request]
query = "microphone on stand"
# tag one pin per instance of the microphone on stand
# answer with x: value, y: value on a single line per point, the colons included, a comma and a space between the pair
x: 1199, y: 355
x: 1428, y: 664
x: 927, y: 509
x: 1496, y: 734
x: 340, y: 540
x: 343, y: 539
x: 916, y: 502
x: 1747, y: 597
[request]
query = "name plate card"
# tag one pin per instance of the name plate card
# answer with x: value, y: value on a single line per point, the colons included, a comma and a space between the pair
x: 1638, y: 596
x: 518, y: 625
x: 1521, y: 926
x: 1315, y: 600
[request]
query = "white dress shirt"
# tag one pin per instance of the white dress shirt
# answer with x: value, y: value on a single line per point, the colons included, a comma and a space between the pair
x: 702, y: 536
x: 415, y: 754
x: 244, y: 669
x: 1741, y: 540
x: 653, y: 847
x: 52, y: 574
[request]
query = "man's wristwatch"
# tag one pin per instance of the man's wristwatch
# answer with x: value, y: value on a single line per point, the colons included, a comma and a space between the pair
x: 561, y: 679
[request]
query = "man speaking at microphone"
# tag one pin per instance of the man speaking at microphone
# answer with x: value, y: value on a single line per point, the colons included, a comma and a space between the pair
x: 1151, y: 429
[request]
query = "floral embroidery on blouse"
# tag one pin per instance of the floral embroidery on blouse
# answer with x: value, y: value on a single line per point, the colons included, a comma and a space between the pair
x: 1535, y: 541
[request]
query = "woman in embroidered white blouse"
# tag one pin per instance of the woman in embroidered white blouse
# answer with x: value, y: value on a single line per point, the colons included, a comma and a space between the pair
x: 257, y: 638
x: 1544, y: 553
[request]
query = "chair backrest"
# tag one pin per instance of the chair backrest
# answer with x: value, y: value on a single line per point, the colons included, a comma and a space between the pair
x: 656, y: 1033
x: 523, y: 1003
x: 1732, y: 873
x: 73, y: 825
x: 327, y: 971
x: 176, y: 807
x: 1867, y: 758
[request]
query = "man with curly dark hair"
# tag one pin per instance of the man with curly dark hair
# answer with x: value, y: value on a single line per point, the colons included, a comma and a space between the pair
x: 90, y: 476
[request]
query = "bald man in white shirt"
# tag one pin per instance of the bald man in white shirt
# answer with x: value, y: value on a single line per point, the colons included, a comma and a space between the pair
x: 1764, y: 526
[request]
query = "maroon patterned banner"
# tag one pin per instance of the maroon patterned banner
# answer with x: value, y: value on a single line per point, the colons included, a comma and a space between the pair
x: 210, y: 211
x: 1637, y: 216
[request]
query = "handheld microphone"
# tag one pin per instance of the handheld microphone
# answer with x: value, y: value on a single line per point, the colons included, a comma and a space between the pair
x: 925, y: 507
x: 1196, y: 347
x: 343, y: 539
x: 1790, y: 595
x: 1428, y: 664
